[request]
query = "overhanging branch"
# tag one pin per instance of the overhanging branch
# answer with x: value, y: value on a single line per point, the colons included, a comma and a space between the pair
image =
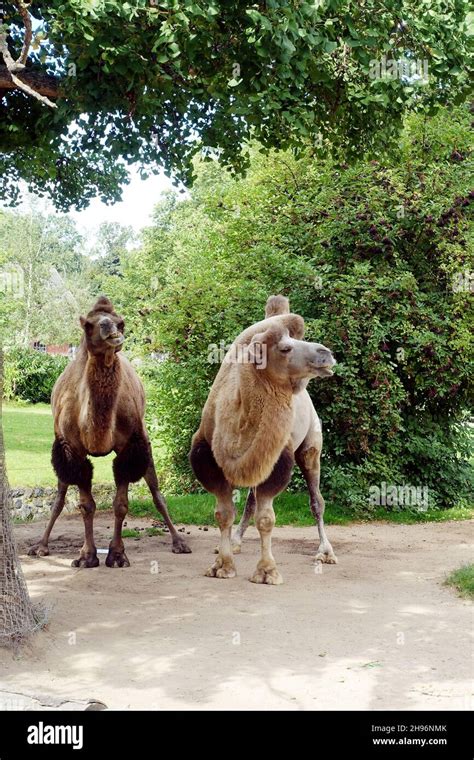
x: 43, y: 84
x: 14, y: 68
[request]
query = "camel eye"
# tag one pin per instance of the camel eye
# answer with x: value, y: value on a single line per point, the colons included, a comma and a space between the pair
x: 285, y: 349
x: 121, y: 326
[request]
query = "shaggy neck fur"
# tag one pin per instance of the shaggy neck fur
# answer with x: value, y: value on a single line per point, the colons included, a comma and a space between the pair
x: 102, y: 383
x: 252, y: 427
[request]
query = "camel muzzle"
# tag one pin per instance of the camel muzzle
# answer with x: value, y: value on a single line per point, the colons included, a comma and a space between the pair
x: 322, y: 361
x: 109, y: 332
x: 115, y: 340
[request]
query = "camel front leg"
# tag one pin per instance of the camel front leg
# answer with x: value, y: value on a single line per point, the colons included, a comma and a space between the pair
x: 116, y: 556
x: 224, y: 566
x: 213, y: 479
x: 180, y: 546
x: 41, y: 549
x: 88, y: 554
x: 267, y: 571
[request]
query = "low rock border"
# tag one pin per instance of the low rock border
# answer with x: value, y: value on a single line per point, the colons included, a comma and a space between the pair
x: 31, y: 503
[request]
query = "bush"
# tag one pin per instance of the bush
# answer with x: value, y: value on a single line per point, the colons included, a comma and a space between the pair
x: 374, y: 256
x: 30, y: 375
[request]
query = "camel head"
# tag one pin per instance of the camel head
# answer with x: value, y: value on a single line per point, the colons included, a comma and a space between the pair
x: 284, y: 358
x: 103, y: 330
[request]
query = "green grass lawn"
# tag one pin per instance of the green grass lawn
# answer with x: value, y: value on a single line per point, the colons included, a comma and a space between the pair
x: 28, y: 433
x: 290, y: 509
x: 463, y: 581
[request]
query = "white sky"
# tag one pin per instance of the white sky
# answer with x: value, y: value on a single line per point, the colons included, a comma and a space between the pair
x: 139, y: 198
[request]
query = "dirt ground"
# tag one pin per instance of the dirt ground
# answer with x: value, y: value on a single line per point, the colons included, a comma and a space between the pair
x: 376, y: 631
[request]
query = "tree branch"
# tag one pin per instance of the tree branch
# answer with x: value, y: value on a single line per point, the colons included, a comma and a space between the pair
x: 12, y: 66
x: 43, y: 84
x: 28, y: 31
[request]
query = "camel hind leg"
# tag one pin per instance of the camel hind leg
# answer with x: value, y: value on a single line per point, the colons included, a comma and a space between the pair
x: 247, y: 514
x: 308, y: 457
x: 179, y: 545
x: 41, y: 549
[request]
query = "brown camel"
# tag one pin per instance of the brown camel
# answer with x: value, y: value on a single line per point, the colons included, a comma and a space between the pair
x: 257, y: 419
x: 98, y: 406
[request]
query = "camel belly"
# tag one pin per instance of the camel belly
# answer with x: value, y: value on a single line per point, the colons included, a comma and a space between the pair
x: 304, y: 418
x: 97, y: 444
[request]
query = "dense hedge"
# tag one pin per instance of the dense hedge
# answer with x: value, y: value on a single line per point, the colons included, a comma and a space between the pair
x: 375, y: 256
x: 30, y: 375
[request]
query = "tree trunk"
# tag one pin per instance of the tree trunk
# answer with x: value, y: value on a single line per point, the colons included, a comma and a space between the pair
x: 18, y: 616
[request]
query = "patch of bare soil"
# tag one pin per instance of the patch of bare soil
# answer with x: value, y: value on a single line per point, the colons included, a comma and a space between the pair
x: 376, y: 631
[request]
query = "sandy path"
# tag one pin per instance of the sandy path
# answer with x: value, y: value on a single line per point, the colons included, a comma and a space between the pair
x: 376, y: 631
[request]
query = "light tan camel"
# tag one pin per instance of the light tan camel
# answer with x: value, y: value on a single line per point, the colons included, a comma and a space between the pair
x: 257, y: 419
x: 307, y: 432
x: 98, y: 405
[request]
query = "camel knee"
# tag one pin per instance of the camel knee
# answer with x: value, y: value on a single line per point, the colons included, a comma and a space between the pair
x: 265, y: 523
x: 87, y: 508
x: 308, y: 459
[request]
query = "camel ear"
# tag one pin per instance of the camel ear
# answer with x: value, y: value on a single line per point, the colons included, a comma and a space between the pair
x: 256, y: 349
x: 86, y: 325
x: 261, y: 342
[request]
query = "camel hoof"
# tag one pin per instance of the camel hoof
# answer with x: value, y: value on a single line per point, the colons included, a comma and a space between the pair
x: 180, y: 547
x: 236, y: 549
x: 218, y: 571
x: 270, y: 577
x: 38, y: 550
x: 329, y: 558
x: 88, y: 560
x: 117, y: 559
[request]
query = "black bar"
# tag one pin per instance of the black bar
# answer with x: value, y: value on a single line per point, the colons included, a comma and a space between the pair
x: 112, y: 733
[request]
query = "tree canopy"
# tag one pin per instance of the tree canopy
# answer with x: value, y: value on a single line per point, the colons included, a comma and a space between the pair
x: 155, y: 81
x: 376, y: 256
x: 45, y: 279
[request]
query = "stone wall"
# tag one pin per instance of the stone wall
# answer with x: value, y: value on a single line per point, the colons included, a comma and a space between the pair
x: 31, y: 503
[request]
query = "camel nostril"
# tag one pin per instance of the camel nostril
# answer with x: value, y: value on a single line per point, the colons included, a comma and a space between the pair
x: 323, y: 357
